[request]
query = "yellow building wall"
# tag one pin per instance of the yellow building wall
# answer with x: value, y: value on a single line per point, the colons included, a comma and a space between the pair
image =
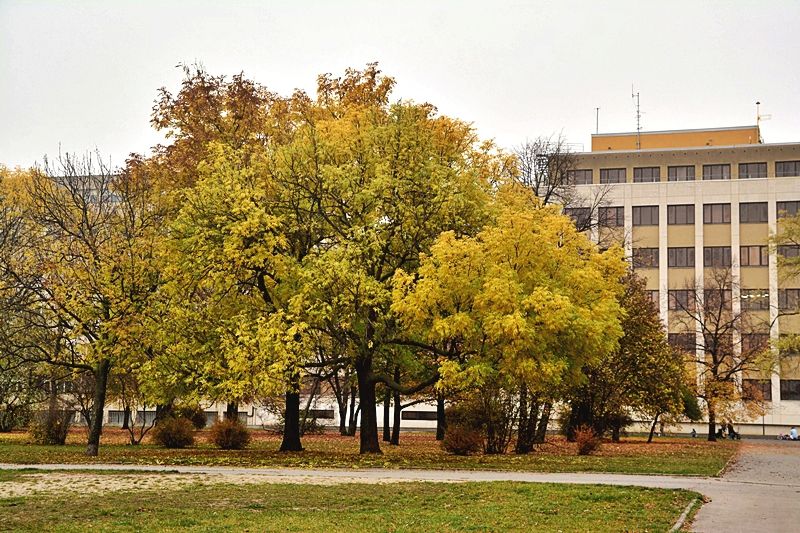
x: 676, y: 139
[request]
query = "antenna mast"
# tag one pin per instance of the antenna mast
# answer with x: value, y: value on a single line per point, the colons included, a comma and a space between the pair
x: 597, y: 120
x: 759, y: 118
x: 635, y: 97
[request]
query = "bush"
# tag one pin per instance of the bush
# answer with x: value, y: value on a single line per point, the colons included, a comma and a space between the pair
x: 194, y: 414
x: 586, y: 440
x: 51, y: 427
x: 174, y: 433
x: 230, y: 435
x: 462, y: 440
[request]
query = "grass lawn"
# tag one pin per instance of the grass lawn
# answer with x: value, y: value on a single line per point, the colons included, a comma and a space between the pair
x: 681, y: 456
x: 353, y: 507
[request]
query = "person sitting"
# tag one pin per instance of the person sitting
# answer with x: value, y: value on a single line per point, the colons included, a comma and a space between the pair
x: 693, y: 433
x: 793, y: 433
x: 732, y: 434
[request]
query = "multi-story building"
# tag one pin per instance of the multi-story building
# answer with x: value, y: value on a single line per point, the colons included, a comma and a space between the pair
x: 687, y: 201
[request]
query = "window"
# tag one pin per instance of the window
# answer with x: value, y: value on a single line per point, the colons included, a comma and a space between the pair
x: 754, y: 343
x: 681, y: 300
x: 419, y: 415
x: 579, y: 215
x: 645, y: 258
x: 116, y: 418
x: 787, y: 209
x: 789, y: 251
x: 754, y: 256
x: 681, y: 173
x: 721, y: 345
x: 752, y: 170
x: 717, y: 299
x: 683, y: 342
x: 717, y: 213
x: 680, y: 214
x: 645, y: 215
x: 653, y: 295
x: 790, y: 389
x: 757, y: 389
x: 716, y: 172
x: 580, y: 177
x: 788, y: 299
x: 611, y: 217
x: 753, y: 212
x: 680, y: 257
x: 717, y: 256
x: 325, y: 414
x: 612, y: 175
x: 785, y: 169
x: 646, y: 174
x: 755, y: 299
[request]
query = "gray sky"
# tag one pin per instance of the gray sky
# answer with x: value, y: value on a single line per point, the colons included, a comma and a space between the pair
x: 84, y: 74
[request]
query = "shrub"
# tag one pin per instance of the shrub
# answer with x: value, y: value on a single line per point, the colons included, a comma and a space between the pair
x: 462, y: 440
x: 586, y: 440
x: 51, y: 427
x: 174, y: 433
x: 230, y: 434
x: 194, y: 414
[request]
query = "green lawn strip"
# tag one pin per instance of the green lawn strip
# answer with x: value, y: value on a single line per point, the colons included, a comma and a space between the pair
x: 498, y: 506
x: 701, y: 461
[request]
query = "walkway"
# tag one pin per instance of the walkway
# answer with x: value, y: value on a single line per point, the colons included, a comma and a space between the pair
x: 759, y: 493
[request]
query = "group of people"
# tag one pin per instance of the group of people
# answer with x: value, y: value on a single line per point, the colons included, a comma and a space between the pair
x: 725, y: 430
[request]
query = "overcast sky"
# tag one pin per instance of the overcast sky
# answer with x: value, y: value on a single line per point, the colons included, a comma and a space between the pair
x: 83, y: 75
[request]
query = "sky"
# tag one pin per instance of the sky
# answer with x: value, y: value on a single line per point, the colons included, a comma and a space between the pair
x: 83, y: 75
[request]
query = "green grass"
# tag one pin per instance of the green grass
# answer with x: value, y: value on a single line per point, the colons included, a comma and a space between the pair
x: 679, y: 456
x: 348, y: 508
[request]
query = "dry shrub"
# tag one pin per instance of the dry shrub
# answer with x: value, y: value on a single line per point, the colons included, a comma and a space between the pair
x: 230, y: 434
x: 586, y: 440
x: 462, y: 440
x: 194, y: 414
x: 51, y: 427
x: 174, y: 433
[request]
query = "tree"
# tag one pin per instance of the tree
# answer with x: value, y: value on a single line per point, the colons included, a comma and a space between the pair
x: 642, y: 376
x: 720, y: 343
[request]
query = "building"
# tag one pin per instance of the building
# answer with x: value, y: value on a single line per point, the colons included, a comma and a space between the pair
x: 686, y: 201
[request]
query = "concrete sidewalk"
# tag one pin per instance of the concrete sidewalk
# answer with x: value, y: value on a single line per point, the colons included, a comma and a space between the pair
x: 759, y: 493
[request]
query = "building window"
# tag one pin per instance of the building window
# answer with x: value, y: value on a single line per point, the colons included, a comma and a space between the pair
x: 681, y: 173
x: 753, y: 212
x: 717, y: 299
x: 717, y: 256
x: 757, y: 389
x: 653, y: 296
x: 787, y: 209
x: 645, y: 215
x: 790, y: 389
x: 683, y: 342
x: 580, y: 177
x: 645, y: 258
x: 717, y: 172
x: 612, y: 175
x: 419, y: 415
x: 646, y: 174
x: 681, y: 300
x: 752, y: 170
x: 754, y: 256
x: 680, y: 214
x: 753, y: 343
x: 611, y: 217
x: 755, y: 299
x: 789, y: 251
x: 680, y: 257
x: 579, y: 215
x: 788, y: 299
x: 717, y: 213
x: 787, y: 169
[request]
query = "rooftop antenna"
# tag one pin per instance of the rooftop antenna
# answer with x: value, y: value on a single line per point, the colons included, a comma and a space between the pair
x: 759, y: 118
x: 635, y: 97
x: 597, y: 120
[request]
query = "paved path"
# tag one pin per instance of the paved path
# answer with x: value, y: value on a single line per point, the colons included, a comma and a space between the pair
x: 760, y: 492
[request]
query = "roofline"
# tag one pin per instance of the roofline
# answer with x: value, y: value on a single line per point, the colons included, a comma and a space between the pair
x: 684, y: 148
x: 697, y: 130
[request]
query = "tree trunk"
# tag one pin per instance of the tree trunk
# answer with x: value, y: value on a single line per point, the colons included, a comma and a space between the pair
x: 101, y: 372
x: 387, y: 432
x: 712, y: 422
x: 232, y: 411
x: 291, y: 423
x: 342, y: 400
x: 368, y: 404
x: 441, y: 420
x: 126, y: 418
x: 397, y: 410
x: 652, y: 429
x: 352, y: 423
x: 615, y: 432
x: 544, y: 421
